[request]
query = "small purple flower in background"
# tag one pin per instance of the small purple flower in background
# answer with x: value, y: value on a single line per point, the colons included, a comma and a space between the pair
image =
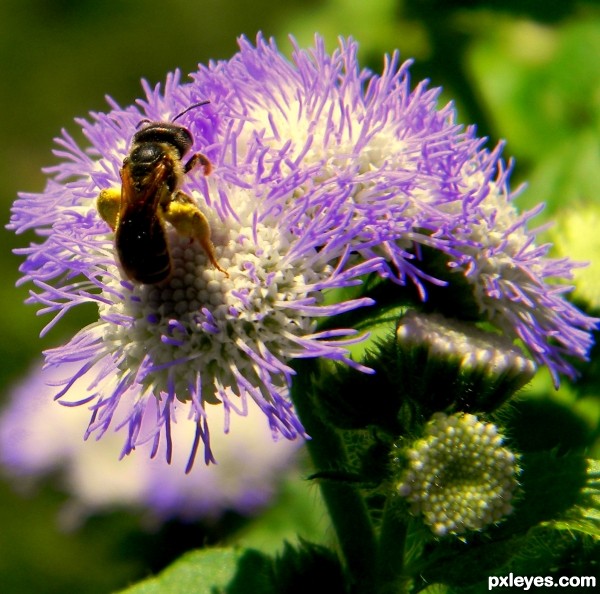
x: 322, y: 173
x: 37, y: 436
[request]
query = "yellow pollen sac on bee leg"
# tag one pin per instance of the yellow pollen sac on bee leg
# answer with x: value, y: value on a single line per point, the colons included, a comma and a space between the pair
x: 189, y: 221
x: 108, y: 205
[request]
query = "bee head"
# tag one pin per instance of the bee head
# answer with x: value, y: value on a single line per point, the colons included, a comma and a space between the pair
x: 164, y: 133
x: 167, y: 132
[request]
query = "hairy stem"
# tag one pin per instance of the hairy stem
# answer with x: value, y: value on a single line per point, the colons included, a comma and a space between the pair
x: 346, y: 507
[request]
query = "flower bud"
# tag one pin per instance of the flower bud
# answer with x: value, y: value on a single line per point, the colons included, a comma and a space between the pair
x: 449, y: 363
x: 459, y: 477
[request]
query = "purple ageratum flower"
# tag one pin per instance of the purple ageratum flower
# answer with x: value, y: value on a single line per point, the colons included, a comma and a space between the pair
x: 323, y: 172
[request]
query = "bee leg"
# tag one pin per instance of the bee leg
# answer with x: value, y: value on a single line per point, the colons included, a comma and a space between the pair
x: 189, y: 221
x: 108, y: 204
x: 198, y: 159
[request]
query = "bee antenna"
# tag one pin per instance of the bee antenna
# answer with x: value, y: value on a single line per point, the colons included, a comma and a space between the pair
x: 192, y: 106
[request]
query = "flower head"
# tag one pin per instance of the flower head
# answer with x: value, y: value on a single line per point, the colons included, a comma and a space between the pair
x: 459, y: 476
x: 322, y: 173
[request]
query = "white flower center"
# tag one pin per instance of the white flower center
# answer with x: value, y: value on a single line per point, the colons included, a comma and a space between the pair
x: 203, y: 324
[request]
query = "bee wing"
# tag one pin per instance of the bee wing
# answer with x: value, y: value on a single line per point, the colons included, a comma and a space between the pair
x: 140, y: 235
x: 142, y: 199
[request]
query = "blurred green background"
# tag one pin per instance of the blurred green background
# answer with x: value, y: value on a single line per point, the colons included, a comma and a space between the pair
x: 526, y: 71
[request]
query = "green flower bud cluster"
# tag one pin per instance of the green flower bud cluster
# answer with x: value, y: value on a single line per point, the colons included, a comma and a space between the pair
x: 459, y: 477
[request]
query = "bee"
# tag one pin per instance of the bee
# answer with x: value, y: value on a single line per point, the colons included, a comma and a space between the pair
x: 149, y: 198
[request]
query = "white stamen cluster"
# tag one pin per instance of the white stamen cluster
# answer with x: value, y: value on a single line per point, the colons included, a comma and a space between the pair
x: 201, y: 316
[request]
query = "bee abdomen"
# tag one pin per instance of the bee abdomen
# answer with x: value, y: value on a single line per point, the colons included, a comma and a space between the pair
x: 154, y: 273
x: 143, y: 252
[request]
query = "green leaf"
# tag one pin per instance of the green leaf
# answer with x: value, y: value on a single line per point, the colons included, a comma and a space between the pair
x: 552, y: 487
x: 212, y: 571
x: 241, y: 571
x: 584, y: 517
x: 300, y: 568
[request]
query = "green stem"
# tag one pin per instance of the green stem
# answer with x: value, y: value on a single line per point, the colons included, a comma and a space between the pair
x: 391, y: 575
x: 346, y: 507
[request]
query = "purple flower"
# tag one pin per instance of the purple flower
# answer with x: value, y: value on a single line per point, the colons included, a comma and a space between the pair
x: 322, y: 173
x: 38, y: 436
